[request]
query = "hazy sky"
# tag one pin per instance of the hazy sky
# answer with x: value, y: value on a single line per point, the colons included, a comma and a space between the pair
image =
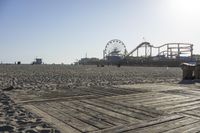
x: 65, y: 30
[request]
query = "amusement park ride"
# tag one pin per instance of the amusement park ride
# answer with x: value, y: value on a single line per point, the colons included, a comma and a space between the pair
x: 116, y: 52
x: 169, y: 50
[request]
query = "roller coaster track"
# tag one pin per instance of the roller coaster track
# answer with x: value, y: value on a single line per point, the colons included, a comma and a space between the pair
x: 171, y: 50
x: 139, y: 46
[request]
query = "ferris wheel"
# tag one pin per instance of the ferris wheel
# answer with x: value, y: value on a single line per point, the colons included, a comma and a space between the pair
x: 115, y: 47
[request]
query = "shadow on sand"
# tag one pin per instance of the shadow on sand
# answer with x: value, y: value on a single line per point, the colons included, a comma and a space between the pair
x: 189, y: 81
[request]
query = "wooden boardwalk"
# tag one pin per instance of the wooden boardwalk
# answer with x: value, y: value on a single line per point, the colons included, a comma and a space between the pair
x: 145, y: 108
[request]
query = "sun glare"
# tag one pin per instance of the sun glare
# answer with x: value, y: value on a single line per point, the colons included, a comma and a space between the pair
x: 185, y: 10
x: 185, y: 6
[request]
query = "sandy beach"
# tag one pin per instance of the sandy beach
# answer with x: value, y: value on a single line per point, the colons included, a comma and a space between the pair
x: 24, y: 84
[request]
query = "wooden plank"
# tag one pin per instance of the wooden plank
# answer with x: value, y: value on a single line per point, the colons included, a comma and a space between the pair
x: 73, y: 122
x: 132, y: 127
x: 81, y: 116
x: 64, y: 128
x: 146, y: 100
x: 161, y: 127
x: 137, y: 96
x: 191, y: 128
x: 98, y: 92
x: 167, y: 101
x: 110, y: 112
x: 141, y: 108
x: 188, y: 93
x: 195, y: 112
x: 95, y: 113
x: 153, y: 87
x: 111, y: 91
x: 131, y: 116
x: 184, y: 104
x: 175, y: 102
x: 57, y: 99
x: 122, y: 91
x: 182, y: 109
x: 139, y: 114
x: 193, y: 93
x: 138, y: 101
x: 152, y: 102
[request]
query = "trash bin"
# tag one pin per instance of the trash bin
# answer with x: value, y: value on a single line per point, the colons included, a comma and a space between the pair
x: 188, y: 71
x: 197, y: 71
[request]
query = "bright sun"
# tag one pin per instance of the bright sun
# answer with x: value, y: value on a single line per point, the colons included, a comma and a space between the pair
x: 185, y: 6
x: 186, y: 10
